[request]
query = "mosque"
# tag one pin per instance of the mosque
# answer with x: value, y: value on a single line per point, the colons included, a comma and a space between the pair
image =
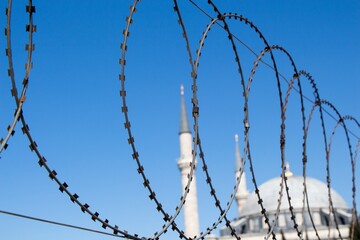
x: 250, y: 223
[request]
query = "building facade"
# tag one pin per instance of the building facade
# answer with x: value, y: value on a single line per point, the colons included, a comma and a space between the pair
x: 314, y: 218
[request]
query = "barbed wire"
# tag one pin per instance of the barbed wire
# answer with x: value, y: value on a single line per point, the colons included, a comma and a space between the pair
x: 169, y: 219
x: 29, y: 47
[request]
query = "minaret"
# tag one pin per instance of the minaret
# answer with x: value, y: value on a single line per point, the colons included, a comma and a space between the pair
x: 191, y: 216
x: 242, y: 193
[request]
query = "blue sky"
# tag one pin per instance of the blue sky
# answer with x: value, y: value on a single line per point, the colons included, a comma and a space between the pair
x: 73, y: 106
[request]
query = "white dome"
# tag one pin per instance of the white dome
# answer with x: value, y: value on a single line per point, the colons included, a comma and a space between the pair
x: 269, y: 193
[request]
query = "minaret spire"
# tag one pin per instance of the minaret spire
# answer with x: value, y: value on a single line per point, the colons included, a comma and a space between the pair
x: 242, y: 193
x: 238, y: 163
x: 288, y: 173
x: 184, y: 124
x: 191, y: 216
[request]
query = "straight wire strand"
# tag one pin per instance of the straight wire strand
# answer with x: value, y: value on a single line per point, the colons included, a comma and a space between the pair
x: 58, y: 223
x: 268, y: 65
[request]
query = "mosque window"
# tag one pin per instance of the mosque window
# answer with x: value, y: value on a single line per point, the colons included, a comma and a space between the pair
x: 342, y: 220
x: 272, y: 219
x: 325, y: 219
x: 289, y: 222
x: 256, y: 224
x: 343, y: 217
x: 243, y: 229
x: 307, y: 219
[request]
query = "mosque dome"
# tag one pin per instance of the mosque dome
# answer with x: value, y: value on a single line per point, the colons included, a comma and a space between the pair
x: 269, y: 192
x: 252, y: 223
